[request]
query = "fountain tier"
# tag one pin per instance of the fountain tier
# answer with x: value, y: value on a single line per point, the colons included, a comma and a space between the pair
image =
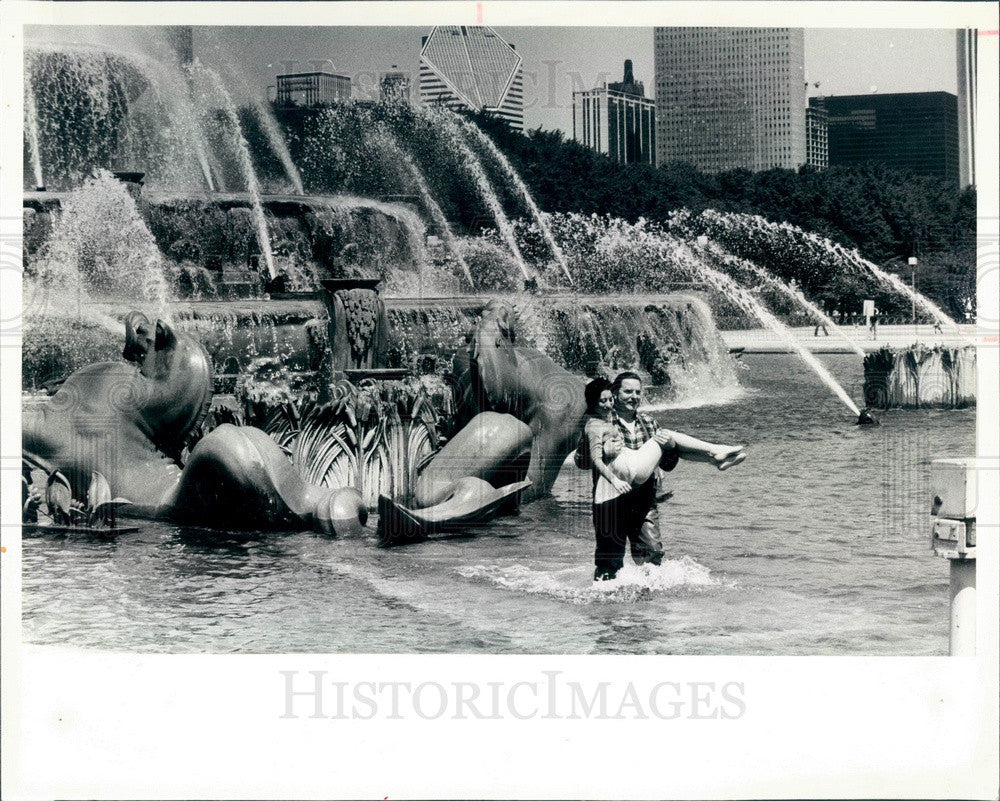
x: 671, y: 337
x: 210, y: 243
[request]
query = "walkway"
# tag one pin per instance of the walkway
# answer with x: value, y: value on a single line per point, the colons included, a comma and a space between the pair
x: 762, y: 340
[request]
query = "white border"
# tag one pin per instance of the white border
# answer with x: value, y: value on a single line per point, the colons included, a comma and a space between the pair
x: 101, y: 725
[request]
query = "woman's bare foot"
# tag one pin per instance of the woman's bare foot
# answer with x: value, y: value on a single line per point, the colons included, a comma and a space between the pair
x: 729, y: 457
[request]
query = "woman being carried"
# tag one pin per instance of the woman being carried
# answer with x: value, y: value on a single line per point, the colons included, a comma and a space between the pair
x: 617, y: 468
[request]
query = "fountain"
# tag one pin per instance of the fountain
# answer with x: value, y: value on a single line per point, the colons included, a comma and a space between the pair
x: 816, y: 313
x: 470, y: 162
x: 31, y: 132
x: 475, y: 133
x: 242, y: 149
x: 352, y: 378
x: 784, y: 248
x: 394, y: 150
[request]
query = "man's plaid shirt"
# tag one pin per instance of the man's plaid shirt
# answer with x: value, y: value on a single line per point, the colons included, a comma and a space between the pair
x: 645, y: 427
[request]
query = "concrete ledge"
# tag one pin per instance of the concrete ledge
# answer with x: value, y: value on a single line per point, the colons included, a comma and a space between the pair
x: 763, y: 341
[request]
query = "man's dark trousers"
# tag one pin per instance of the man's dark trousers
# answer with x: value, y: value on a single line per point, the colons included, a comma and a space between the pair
x: 621, y: 520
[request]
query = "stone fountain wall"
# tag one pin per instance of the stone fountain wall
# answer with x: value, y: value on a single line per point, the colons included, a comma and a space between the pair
x: 210, y: 248
x: 671, y: 338
x: 921, y: 377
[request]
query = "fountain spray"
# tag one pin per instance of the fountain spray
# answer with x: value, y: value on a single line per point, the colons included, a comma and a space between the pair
x: 784, y: 288
x: 31, y: 129
x: 750, y: 304
x: 246, y: 162
x: 391, y: 145
x: 263, y: 112
x: 471, y: 164
x: 473, y: 130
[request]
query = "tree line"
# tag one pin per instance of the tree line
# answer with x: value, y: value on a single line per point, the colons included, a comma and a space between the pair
x: 886, y: 214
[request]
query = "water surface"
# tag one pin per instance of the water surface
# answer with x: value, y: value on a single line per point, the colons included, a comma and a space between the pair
x: 817, y: 544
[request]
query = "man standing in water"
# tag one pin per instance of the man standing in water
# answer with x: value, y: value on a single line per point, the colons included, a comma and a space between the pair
x: 635, y: 518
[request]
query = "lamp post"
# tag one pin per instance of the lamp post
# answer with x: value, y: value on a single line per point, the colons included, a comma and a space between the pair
x: 912, y: 261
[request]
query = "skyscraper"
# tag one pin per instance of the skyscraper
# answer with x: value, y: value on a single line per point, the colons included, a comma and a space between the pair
x: 914, y: 131
x: 394, y: 86
x: 817, y: 138
x: 471, y: 67
x: 966, y: 56
x: 310, y: 89
x: 617, y: 120
x: 730, y: 97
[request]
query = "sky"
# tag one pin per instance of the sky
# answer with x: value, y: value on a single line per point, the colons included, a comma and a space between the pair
x: 558, y: 61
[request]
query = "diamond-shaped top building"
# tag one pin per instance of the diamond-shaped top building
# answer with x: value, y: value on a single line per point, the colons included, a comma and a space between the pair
x: 471, y: 67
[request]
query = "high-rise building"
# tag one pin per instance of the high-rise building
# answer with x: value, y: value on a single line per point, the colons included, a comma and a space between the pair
x: 394, y: 86
x: 730, y: 97
x: 471, y: 67
x: 914, y: 131
x: 312, y: 89
x: 617, y: 120
x: 966, y: 53
x: 817, y: 136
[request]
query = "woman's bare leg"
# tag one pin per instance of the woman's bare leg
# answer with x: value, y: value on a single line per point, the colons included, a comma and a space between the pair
x: 637, y: 465
x: 698, y: 450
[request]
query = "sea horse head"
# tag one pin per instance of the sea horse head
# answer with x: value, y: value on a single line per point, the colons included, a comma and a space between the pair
x: 493, y: 358
x: 175, y: 388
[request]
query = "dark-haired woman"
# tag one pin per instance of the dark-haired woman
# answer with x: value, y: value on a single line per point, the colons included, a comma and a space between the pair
x: 618, y: 469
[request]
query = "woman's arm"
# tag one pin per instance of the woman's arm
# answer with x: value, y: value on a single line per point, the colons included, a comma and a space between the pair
x: 595, y: 430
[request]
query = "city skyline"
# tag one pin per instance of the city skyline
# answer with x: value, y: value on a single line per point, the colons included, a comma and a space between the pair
x: 557, y: 61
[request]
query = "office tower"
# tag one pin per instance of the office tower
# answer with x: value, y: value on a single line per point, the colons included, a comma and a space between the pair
x: 817, y: 135
x: 471, y: 67
x: 914, y: 131
x: 966, y: 56
x: 312, y: 89
x: 730, y: 97
x: 394, y: 86
x: 617, y: 120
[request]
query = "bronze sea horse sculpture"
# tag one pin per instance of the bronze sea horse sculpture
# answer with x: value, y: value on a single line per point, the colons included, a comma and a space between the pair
x: 524, y: 413
x: 129, y: 422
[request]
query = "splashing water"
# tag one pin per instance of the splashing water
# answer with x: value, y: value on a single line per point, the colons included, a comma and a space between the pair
x: 393, y: 148
x: 900, y: 286
x: 476, y: 133
x: 750, y: 304
x: 135, y: 111
x: 31, y: 129
x: 100, y: 246
x: 752, y: 236
x: 573, y: 585
x: 405, y: 217
x: 790, y: 293
x: 278, y: 144
x: 205, y: 74
x: 263, y: 112
x: 470, y: 162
